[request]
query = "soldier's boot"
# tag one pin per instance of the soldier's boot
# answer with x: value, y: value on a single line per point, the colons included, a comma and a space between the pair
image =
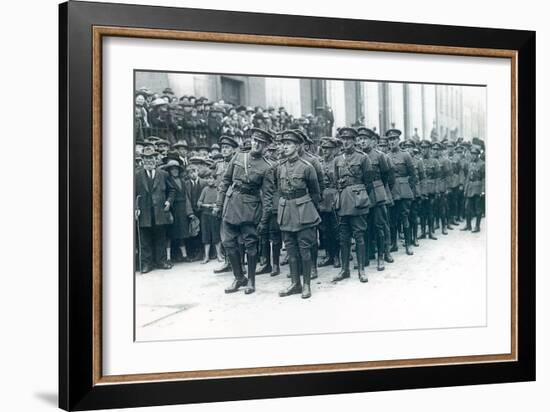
x: 306, y: 289
x: 414, y: 229
x: 431, y: 229
x: 408, y: 242
x: 284, y: 261
x: 361, y: 254
x: 326, y: 261
x: 387, y: 255
x: 266, y: 266
x: 240, y: 279
x: 313, y: 270
x: 336, y: 260
x: 443, y: 227
x: 295, y: 286
x: 276, y: 258
x: 251, y: 286
x: 225, y: 267
x: 344, y: 272
x: 394, y: 240
x: 478, y: 222
x: 468, y: 224
x: 423, y: 228
x: 380, y: 263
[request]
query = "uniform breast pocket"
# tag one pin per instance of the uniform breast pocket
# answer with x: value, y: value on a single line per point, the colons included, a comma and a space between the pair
x: 361, y: 197
x: 355, y: 169
x: 298, y: 182
x: 238, y: 171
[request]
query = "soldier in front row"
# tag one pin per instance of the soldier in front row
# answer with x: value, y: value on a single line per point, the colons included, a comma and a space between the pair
x: 297, y: 213
x: 402, y: 191
x: 351, y: 170
x: 246, y: 195
x: 474, y: 189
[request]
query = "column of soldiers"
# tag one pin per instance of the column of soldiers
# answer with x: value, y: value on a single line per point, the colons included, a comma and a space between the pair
x: 359, y: 199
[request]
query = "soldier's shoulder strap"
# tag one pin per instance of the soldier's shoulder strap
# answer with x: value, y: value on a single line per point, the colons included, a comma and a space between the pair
x: 269, y: 162
x: 360, y: 152
x: 307, y: 162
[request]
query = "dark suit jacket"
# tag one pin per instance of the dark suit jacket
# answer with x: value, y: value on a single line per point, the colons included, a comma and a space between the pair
x: 194, y: 192
x: 151, y: 197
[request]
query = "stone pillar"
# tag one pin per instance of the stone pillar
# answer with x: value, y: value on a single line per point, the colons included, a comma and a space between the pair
x: 372, y: 105
x: 429, y: 110
x: 413, y: 110
x: 336, y: 99
x: 396, y: 106
x: 283, y: 92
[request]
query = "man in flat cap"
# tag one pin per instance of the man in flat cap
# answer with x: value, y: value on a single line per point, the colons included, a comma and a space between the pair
x: 329, y: 220
x: 352, y: 174
x: 378, y: 223
x: 245, y: 198
x: 474, y: 189
x: 152, y: 212
x: 297, y: 214
x: 402, y: 191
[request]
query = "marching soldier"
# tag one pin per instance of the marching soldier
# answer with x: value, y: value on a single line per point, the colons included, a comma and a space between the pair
x: 474, y: 189
x: 351, y: 170
x: 431, y: 171
x: 402, y: 191
x: 418, y: 189
x: 297, y: 214
x: 378, y: 214
x: 247, y: 185
x: 329, y: 219
x: 445, y: 173
x: 228, y: 147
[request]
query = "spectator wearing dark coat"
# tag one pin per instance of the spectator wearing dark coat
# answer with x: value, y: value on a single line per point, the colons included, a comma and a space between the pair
x: 152, y: 212
x: 181, y: 208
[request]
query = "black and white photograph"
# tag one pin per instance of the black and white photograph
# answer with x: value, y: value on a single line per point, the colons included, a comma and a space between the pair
x: 281, y: 206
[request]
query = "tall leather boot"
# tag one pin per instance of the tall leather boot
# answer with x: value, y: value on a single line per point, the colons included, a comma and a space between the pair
x: 468, y: 224
x: 295, y: 286
x: 431, y: 229
x: 251, y: 286
x: 344, y: 272
x: 393, y: 231
x: 380, y: 261
x: 276, y: 258
x: 314, y: 253
x: 423, y: 227
x: 408, y: 242
x: 414, y: 233
x: 307, y: 265
x: 478, y: 222
x: 361, y: 252
x: 443, y: 226
x: 387, y: 255
x: 266, y: 253
x: 240, y: 280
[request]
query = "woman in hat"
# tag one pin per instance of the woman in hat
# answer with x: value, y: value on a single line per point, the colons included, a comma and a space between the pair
x: 182, y: 210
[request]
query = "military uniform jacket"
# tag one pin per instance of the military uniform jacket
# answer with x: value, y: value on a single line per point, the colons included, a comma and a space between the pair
x: 246, y: 190
x: 456, y: 168
x: 405, y: 175
x: 431, y: 168
x: 420, y: 187
x: 316, y: 163
x: 152, y: 195
x: 380, y: 171
x: 352, y: 173
x: 330, y: 191
x: 475, y: 180
x: 445, y: 173
x: 299, y: 189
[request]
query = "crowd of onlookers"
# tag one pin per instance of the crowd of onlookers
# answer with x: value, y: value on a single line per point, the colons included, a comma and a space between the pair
x: 201, y: 122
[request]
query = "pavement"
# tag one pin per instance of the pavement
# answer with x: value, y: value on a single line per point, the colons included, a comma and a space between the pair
x: 443, y: 285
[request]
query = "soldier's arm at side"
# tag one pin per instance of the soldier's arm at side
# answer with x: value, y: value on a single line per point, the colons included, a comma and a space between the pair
x: 268, y: 186
x: 411, y: 171
x: 384, y: 169
x: 226, y: 181
x: 367, y: 172
x: 312, y: 183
